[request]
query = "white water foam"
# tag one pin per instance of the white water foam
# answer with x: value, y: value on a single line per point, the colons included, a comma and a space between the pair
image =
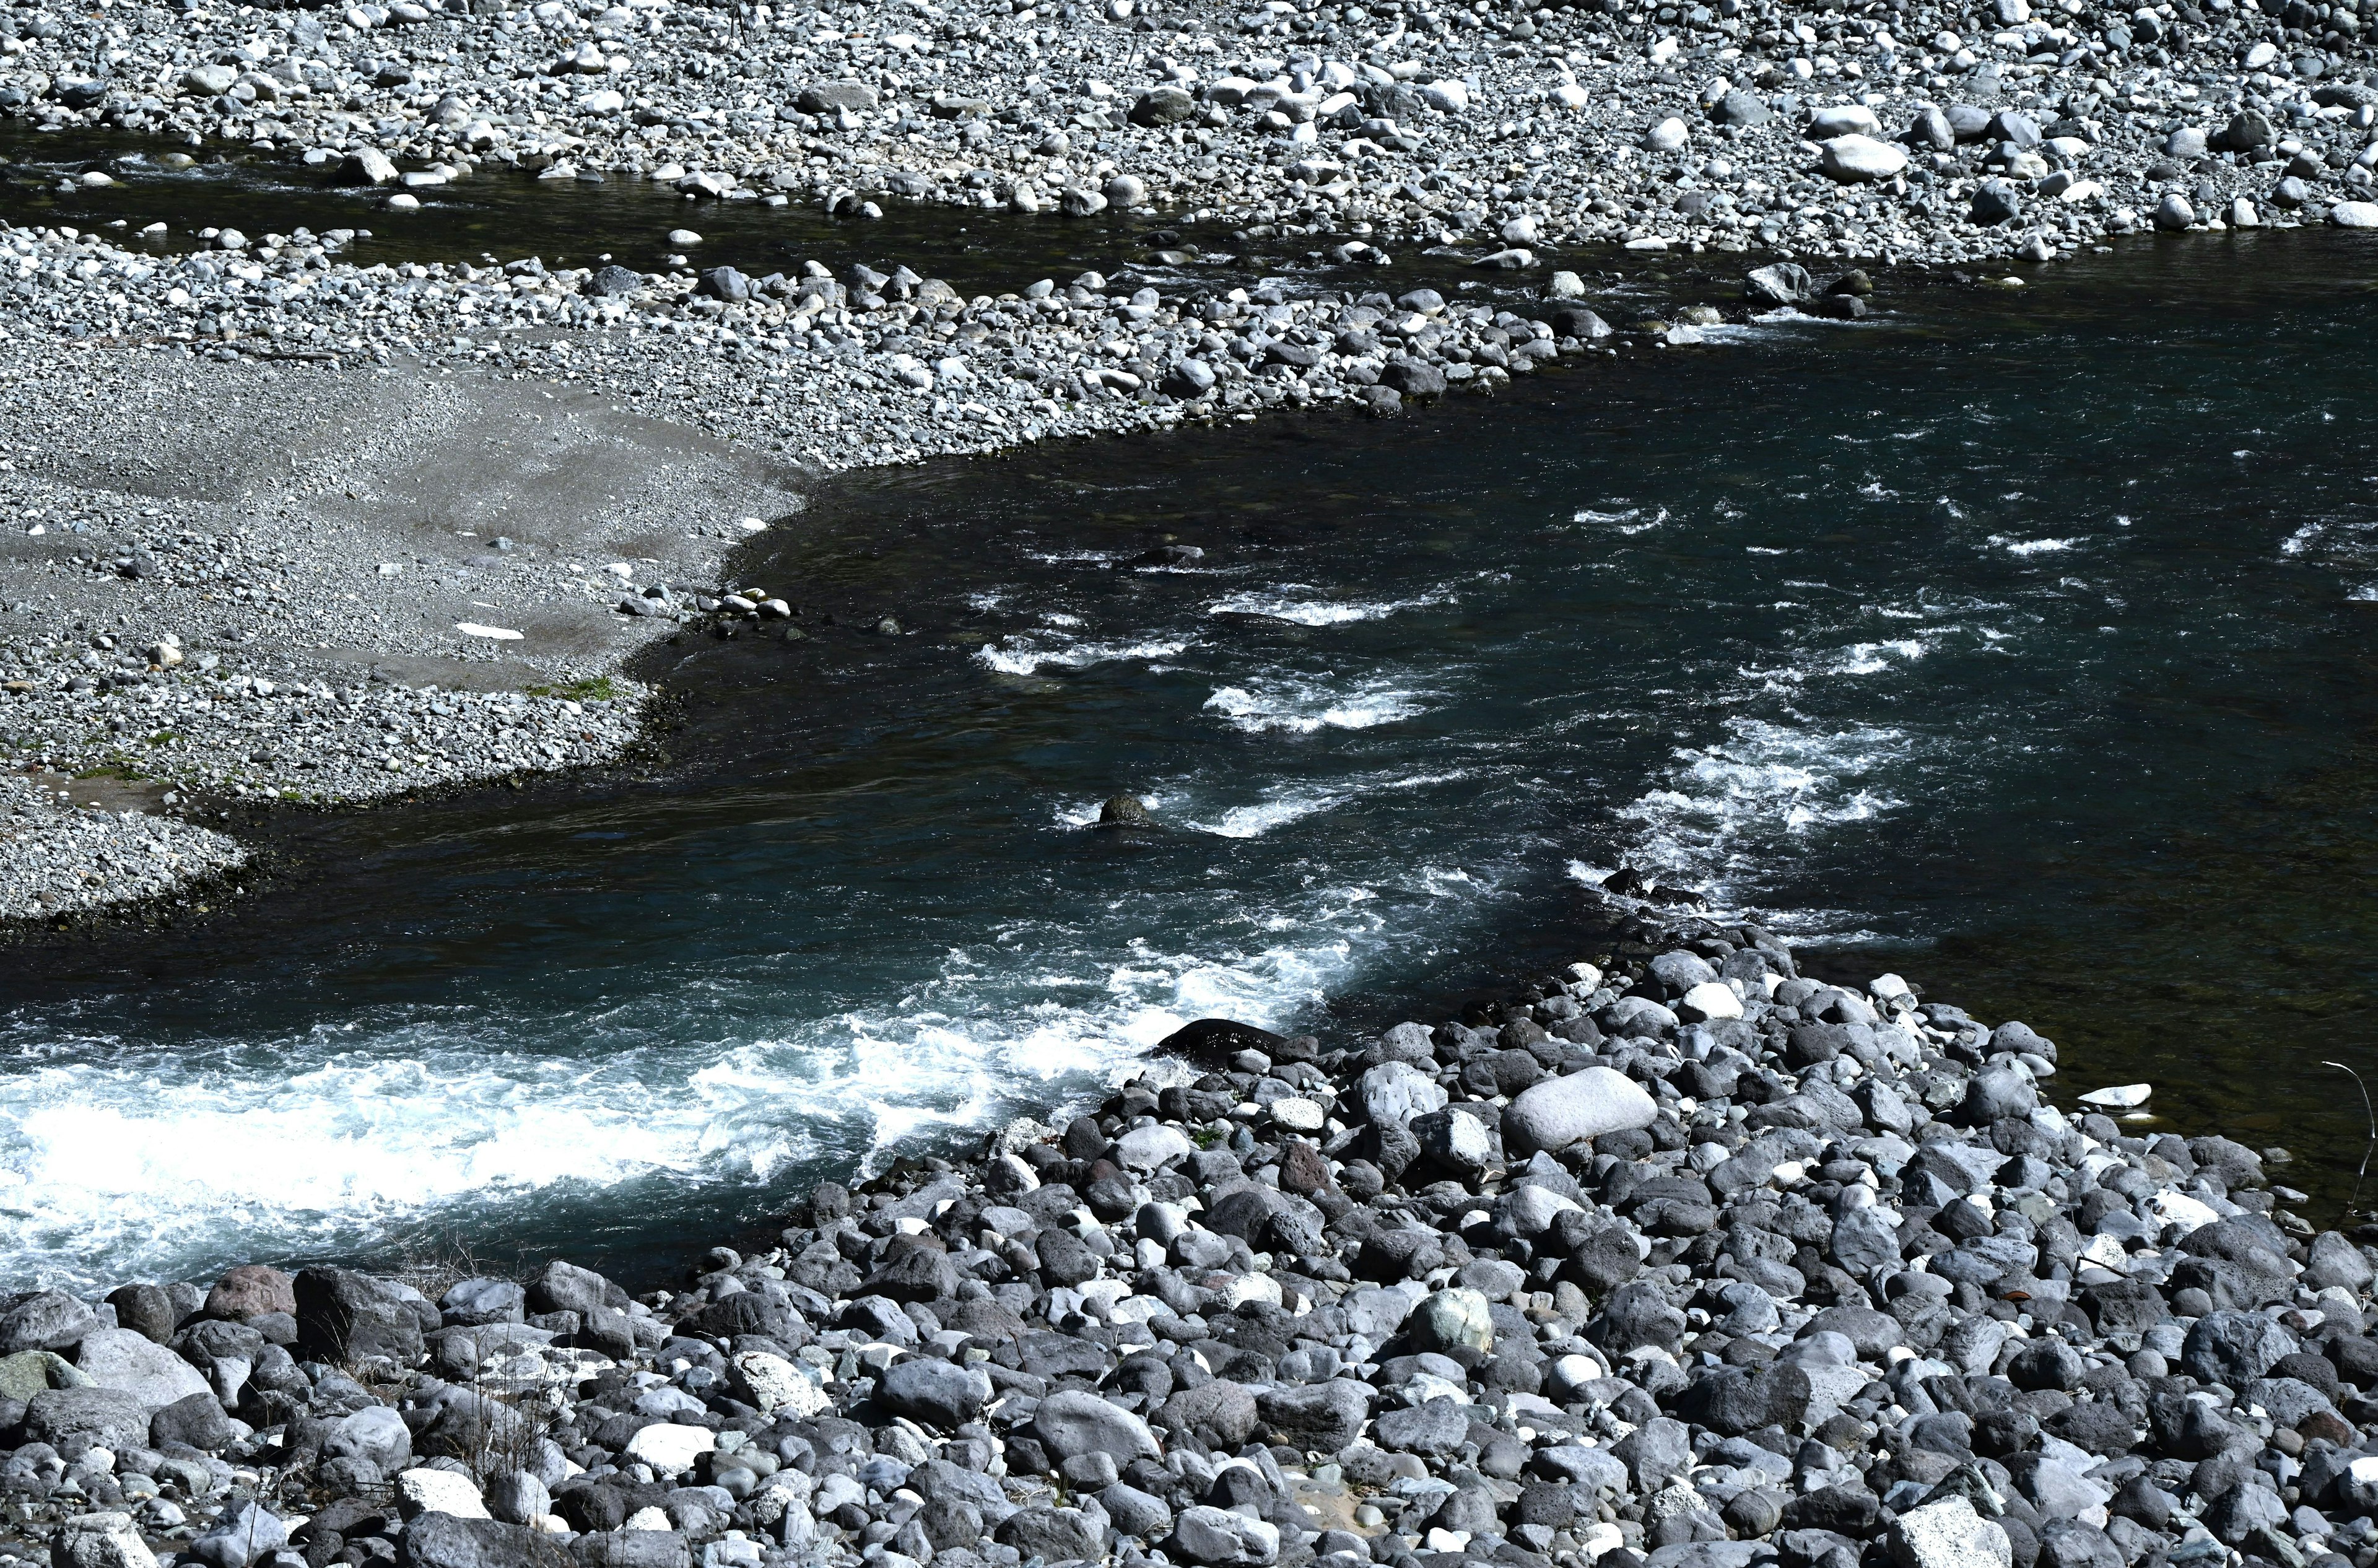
x: 1029, y: 654
x: 1282, y: 604
x: 1281, y: 808
x: 1731, y: 813
x: 1301, y: 707
x: 143, y: 1162
x: 2014, y: 547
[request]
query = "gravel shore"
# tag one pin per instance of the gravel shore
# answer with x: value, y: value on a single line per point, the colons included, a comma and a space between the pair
x: 285, y: 527
x: 1674, y: 1258
x: 1900, y: 131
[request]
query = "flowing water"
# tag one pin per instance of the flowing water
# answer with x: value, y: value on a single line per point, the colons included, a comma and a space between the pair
x: 2019, y: 641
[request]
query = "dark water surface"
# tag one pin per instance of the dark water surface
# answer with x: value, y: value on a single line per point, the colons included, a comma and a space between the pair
x: 2019, y: 642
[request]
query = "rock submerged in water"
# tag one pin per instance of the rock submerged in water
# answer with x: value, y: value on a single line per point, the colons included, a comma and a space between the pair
x: 1605, y: 1270
x: 1126, y: 811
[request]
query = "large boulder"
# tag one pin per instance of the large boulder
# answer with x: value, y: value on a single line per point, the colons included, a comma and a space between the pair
x: 1560, y: 1113
x: 565, y: 1287
x: 1073, y: 1421
x: 1855, y: 160
x: 344, y: 1317
x: 2234, y: 1348
x: 446, y: 1540
x: 197, y: 1421
x: 117, y: 1358
x: 1949, y: 1534
x: 1222, y: 1414
x: 251, y: 1290
x: 1216, y: 1537
x: 100, y: 1540
x: 72, y: 1419
x: 1319, y: 1419
x: 938, y: 1392
x: 44, y: 1320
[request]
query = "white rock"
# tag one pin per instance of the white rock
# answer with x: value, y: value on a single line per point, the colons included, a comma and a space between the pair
x: 443, y: 1491
x: 1949, y: 1534
x: 117, y: 1358
x: 1569, y: 95
x: 1144, y: 1148
x: 100, y: 1540
x: 1449, y: 97
x: 1843, y: 119
x: 2354, y: 214
x: 775, y: 1385
x: 1853, y: 159
x: 1297, y: 1114
x: 2122, y: 1096
x: 672, y: 1450
x: 2171, y: 1206
x: 1710, y: 1000
x: 1669, y: 135
x: 1560, y: 1112
x: 1223, y: 1540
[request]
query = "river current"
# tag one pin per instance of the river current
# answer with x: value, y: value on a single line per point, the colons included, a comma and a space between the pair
x: 2015, y: 640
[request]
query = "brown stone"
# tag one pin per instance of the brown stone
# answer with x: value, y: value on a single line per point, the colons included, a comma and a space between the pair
x: 1302, y: 1170
x: 251, y: 1290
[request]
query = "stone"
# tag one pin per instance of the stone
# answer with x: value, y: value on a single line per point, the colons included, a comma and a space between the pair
x: 117, y: 1358
x: 1670, y: 135
x: 517, y: 1497
x: 99, y: 1540
x: 1162, y: 106
x: 1220, y: 1539
x: 2174, y: 213
x: 1781, y: 282
x: 670, y: 1449
x: 449, y: 1541
x: 209, y: 81
x: 1222, y: 1414
x: 1948, y: 1533
x: 1146, y: 1148
x: 565, y: 1287
x: 1051, y: 1535
x: 375, y: 1434
x: 443, y: 1491
x: 1135, y: 1513
x: 824, y: 98
x: 1434, y: 1428
x: 242, y: 1536
x: 1994, y: 201
x: 1853, y: 160
x: 1862, y: 1241
x: 44, y: 1320
x: 250, y: 1291
x: 344, y: 1317
x: 72, y: 1419
x: 2234, y: 1348
x: 1452, y: 1319
x: 366, y: 166
x: 2354, y: 214
x: 2332, y: 1261
x: 938, y: 1392
x: 1393, y: 1093
x: 199, y: 1420
x: 1560, y: 1113
x: 1319, y: 1419
x: 1072, y: 1421
x: 1843, y: 119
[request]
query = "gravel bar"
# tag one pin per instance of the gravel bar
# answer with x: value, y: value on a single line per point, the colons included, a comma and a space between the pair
x: 1672, y: 1259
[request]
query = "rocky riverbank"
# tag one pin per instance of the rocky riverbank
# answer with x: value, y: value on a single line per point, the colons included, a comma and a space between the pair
x: 1672, y: 1258
x: 286, y: 529
x: 1915, y: 129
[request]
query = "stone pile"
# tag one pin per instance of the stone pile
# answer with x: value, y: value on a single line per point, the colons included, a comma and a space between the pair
x: 1676, y: 1258
x: 1506, y: 126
